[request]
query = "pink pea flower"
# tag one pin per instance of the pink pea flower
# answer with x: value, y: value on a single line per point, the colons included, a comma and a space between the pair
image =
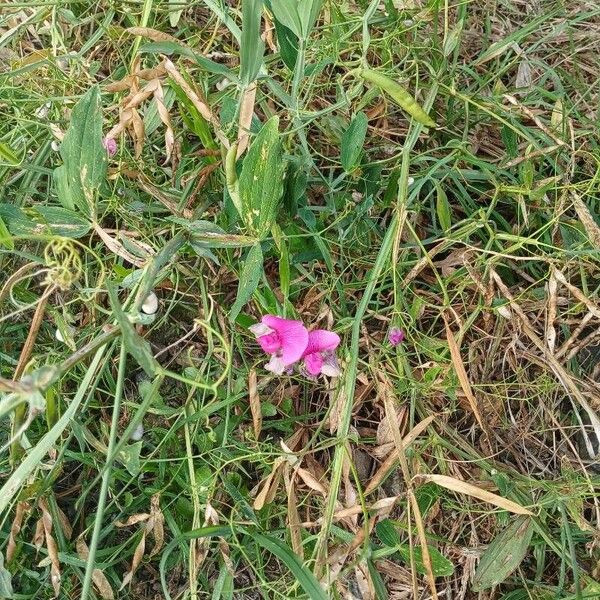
x: 319, y: 356
x: 285, y: 340
x: 110, y: 145
x: 395, y: 336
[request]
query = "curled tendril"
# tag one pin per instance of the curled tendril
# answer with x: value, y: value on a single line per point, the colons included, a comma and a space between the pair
x: 64, y: 263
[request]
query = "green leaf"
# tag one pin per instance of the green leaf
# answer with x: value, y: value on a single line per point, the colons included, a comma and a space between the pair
x: 305, y: 578
x: 261, y: 180
x: 440, y: 565
x: 6, y: 588
x: 209, y: 235
x: 5, y: 237
x: 135, y: 345
x: 84, y: 169
x: 175, y: 10
x: 442, y: 207
x: 402, y: 98
x: 48, y: 220
x: 378, y: 583
x: 8, y: 155
x: 251, y: 46
x: 504, y: 554
x: 286, y: 12
x: 253, y: 268
x: 388, y: 534
x: 129, y: 457
x: 288, y: 41
x: 352, y: 142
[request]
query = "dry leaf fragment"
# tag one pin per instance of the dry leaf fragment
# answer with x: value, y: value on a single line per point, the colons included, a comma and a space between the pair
x: 311, y: 481
x: 254, y: 403
x: 156, y: 524
x: 246, y: 112
x: 456, y: 485
x: 153, y: 34
x: 51, y: 546
x: 115, y: 246
x: 15, y: 528
x: 137, y: 559
x: 587, y: 220
x: 462, y: 374
x: 98, y: 577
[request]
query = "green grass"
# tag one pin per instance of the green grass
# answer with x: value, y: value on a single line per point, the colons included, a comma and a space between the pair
x: 131, y: 465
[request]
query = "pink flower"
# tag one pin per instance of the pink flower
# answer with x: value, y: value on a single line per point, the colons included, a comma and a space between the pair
x: 395, y: 336
x: 319, y: 355
x: 285, y: 340
x: 110, y: 145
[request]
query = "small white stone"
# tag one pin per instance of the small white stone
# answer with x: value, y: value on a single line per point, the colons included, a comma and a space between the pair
x: 150, y: 305
x: 59, y: 336
x: 55, y: 146
x: 410, y: 181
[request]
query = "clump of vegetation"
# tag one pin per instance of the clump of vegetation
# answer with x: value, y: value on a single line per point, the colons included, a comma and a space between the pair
x: 415, y: 181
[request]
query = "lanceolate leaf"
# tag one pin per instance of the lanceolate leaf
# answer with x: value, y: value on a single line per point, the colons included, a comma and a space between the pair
x: 84, y: 156
x: 249, y: 279
x: 251, y: 47
x: 352, y: 142
x: 402, y: 98
x: 504, y: 554
x: 297, y: 15
x: 261, y: 180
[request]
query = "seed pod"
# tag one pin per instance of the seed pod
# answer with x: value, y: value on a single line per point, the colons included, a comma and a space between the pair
x: 404, y: 100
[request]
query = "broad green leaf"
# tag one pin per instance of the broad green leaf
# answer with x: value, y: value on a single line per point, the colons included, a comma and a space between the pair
x: 440, y: 565
x: 287, y: 40
x: 129, y: 457
x: 5, y: 237
x: 84, y: 156
x: 305, y: 578
x: 44, y: 220
x: 402, y: 98
x: 261, y: 181
x: 175, y: 10
x: 6, y: 588
x: 504, y: 554
x: 135, y: 345
x: 388, y: 533
x: 251, y: 272
x: 442, y: 207
x: 353, y: 140
x: 8, y: 155
x: 378, y: 583
x: 286, y: 12
x: 251, y: 47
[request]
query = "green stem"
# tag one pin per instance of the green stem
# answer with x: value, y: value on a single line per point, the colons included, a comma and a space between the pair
x: 90, y: 564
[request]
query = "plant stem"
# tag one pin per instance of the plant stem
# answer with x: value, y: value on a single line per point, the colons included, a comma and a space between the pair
x: 110, y: 455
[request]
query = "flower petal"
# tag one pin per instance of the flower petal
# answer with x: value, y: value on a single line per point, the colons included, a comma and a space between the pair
x: 313, y: 363
x: 320, y: 340
x: 259, y: 329
x: 269, y: 343
x: 292, y: 335
x: 275, y: 365
x: 331, y: 366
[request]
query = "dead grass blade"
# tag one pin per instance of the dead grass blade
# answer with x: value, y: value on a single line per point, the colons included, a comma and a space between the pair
x: 391, y: 461
x: 115, y: 246
x: 311, y: 481
x: 156, y: 524
x: 254, y: 403
x: 246, y: 112
x: 50, y: 546
x: 15, y: 528
x: 293, y: 518
x: 137, y: 560
x: 391, y: 415
x: 199, y: 104
x: 269, y: 487
x: 98, y: 577
x: 459, y: 367
x: 587, y: 220
x: 171, y: 147
x: 153, y: 34
x: 462, y: 487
